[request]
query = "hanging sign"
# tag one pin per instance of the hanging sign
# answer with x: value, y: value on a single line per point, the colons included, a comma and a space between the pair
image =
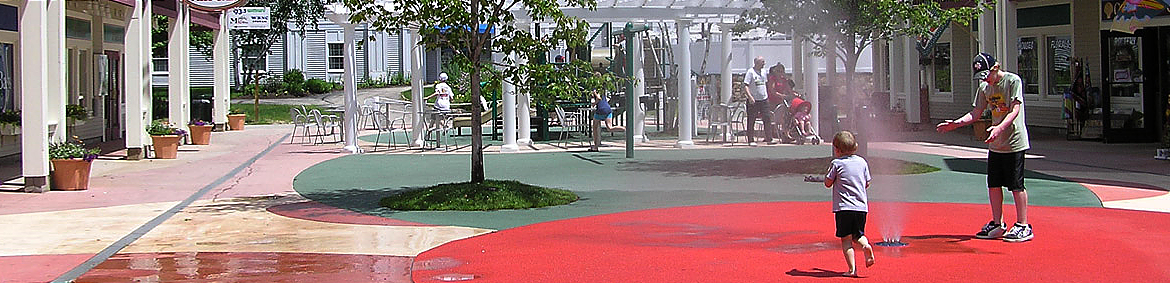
x: 215, y: 5
x: 249, y: 18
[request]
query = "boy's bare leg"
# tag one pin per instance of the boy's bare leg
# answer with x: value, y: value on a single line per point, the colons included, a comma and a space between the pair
x: 868, y: 250
x: 995, y: 196
x: 1021, y: 198
x: 847, y: 249
x: 612, y: 128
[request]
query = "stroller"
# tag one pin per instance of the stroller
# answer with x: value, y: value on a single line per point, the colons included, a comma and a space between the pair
x: 794, y: 121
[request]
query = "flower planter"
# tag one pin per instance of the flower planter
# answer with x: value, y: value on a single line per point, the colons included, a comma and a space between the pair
x: 70, y: 174
x: 980, y: 128
x: 236, y: 122
x: 9, y: 130
x: 200, y: 135
x: 166, y: 147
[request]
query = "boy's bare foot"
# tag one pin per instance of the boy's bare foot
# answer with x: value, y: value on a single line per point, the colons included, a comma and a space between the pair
x: 869, y: 259
x: 849, y: 274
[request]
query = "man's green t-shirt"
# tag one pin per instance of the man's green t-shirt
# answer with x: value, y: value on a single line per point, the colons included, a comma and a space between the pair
x: 999, y: 99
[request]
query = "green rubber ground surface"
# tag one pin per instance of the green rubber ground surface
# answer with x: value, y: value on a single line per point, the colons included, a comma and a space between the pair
x: 608, y: 182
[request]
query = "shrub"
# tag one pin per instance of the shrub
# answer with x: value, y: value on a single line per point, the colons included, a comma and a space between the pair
x: 163, y: 128
x: 318, y: 86
x: 76, y: 112
x: 399, y: 79
x: 294, y: 82
x: 71, y: 150
x: 11, y: 117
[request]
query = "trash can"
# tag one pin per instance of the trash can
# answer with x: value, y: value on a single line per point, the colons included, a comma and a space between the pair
x: 201, y: 108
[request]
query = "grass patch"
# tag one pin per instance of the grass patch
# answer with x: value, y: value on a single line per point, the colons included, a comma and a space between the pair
x: 269, y: 113
x: 877, y: 165
x: 489, y: 195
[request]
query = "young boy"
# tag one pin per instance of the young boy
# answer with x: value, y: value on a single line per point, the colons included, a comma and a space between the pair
x: 849, y: 178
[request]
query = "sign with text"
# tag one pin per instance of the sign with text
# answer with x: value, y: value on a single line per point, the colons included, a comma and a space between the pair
x: 215, y: 5
x: 249, y: 18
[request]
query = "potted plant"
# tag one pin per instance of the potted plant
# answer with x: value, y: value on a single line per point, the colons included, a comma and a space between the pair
x: 10, y: 123
x: 200, y: 132
x: 236, y: 120
x: 980, y: 125
x: 71, y: 162
x: 76, y: 114
x: 166, y: 139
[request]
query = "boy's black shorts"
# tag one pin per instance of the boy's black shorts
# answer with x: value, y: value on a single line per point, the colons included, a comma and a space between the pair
x: 850, y: 223
x: 1006, y: 170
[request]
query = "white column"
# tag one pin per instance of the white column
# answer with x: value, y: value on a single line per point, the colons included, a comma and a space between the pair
x: 897, y: 71
x: 350, y: 80
x: 639, y: 126
x: 913, y: 78
x: 523, y: 113
x: 1005, y: 41
x: 417, y: 75
x: 879, y: 71
x: 686, y: 125
x: 58, y: 73
x: 34, y: 97
x: 797, y: 67
x: 137, y: 80
x: 986, y: 32
x: 222, y: 74
x: 178, y: 77
x: 811, y: 83
x: 725, y: 57
x: 509, y: 97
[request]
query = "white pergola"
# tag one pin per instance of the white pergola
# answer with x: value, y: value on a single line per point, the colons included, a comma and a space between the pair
x: 682, y: 13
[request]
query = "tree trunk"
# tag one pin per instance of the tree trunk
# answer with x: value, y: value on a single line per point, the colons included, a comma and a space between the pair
x: 477, y: 174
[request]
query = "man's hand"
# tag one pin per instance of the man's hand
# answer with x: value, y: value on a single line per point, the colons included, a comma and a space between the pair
x: 946, y: 126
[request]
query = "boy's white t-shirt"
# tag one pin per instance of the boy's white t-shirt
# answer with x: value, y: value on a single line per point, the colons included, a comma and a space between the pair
x: 850, y: 174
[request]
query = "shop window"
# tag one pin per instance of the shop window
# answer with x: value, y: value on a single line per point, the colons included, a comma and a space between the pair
x: 114, y: 34
x: 1059, y: 64
x: 7, y: 81
x: 77, y: 28
x: 942, y: 67
x: 1029, y: 65
x: 336, y: 57
x: 9, y: 18
x: 254, y: 61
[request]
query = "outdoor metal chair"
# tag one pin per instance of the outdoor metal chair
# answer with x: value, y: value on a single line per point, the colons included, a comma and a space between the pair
x: 327, y: 126
x: 719, y: 122
x: 299, y: 121
x: 390, y: 126
x: 569, y: 122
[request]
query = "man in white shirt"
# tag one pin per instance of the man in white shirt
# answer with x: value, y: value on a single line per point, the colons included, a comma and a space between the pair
x: 755, y: 84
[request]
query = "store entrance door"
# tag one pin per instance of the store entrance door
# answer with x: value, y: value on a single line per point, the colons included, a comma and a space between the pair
x: 1132, y: 74
x: 112, y: 85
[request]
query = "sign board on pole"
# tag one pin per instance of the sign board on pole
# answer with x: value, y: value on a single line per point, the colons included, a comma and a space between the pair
x: 249, y: 18
x: 215, y: 5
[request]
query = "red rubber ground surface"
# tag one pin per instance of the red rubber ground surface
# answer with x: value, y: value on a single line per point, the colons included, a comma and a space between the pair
x: 793, y: 242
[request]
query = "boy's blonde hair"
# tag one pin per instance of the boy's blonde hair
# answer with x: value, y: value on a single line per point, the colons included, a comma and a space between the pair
x: 845, y: 142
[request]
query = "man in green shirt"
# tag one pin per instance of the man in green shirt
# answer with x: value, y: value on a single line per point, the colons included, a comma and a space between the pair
x: 1007, y: 140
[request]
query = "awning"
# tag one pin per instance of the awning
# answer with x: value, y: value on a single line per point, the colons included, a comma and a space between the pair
x: 199, y: 17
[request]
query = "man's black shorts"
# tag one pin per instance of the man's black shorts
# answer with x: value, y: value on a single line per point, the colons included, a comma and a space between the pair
x: 850, y: 223
x: 1006, y: 170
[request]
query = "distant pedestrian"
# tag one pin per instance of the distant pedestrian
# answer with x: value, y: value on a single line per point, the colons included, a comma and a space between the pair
x: 443, y: 94
x: 755, y: 84
x: 602, y: 113
x: 1007, y: 140
x: 849, y: 178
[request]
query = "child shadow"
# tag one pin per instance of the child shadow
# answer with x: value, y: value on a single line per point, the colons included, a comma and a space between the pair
x: 816, y: 273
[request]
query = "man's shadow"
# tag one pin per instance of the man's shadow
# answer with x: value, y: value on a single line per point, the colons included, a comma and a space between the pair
x: 816, y: 272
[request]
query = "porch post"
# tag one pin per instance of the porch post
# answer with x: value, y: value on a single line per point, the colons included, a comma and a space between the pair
x: 812, y: 83
x: 350, y: 81
x: 34, y: 97
x: 523, y: 102
x: 417, y: 75
x: 912, y: 81
x: 509, y: 97
x: 179, y: 87
x: 639, y: 69
x: 221, y: 101
x: 725, y: 72
x: 138, y: 89
x: 686, y: 125
x: 57, y: 73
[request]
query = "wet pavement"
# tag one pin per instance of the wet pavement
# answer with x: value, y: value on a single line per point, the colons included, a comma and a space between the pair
x: 288, y: 212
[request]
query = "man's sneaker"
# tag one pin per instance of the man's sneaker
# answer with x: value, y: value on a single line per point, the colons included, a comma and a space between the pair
x: 991, y: 231
x: 1018, y: 233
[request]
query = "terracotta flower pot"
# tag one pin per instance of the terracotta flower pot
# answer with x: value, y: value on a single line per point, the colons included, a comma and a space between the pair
x: 980, y: 128
x: 166, y: 147
x: 236, y: 122
x: 70, y: 174
x: 200, y: 134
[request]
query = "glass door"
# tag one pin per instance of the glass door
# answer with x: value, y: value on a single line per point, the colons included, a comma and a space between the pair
x: 1131, y: 78
x: 7, y: 89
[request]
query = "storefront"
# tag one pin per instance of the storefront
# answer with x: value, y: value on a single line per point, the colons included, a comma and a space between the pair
x: 1135, y: 46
